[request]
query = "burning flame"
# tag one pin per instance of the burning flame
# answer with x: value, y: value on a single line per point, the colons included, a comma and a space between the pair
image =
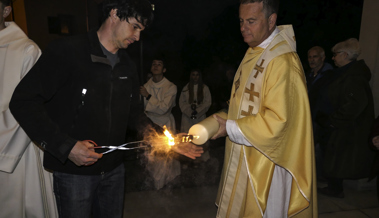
x: 170, y: 139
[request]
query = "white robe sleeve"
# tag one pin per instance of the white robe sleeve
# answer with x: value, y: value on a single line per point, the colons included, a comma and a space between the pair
x: 13, y: 139
x: 235, y: 134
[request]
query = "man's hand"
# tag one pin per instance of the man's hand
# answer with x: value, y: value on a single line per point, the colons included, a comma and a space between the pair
x: 375, y: 141
x: 82, y: 154
x: 143, y: 91
x: 188, y: 149
x: 222, y: 130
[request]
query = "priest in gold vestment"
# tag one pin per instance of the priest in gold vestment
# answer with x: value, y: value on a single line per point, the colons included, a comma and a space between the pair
x: 269, y: 168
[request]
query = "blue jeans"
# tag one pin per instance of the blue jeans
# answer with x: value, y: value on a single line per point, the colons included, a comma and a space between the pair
x: 85, y: 195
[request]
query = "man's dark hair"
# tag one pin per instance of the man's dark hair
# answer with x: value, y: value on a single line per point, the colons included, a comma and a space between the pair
x: 6, y: 2
x: 141, y: 10
x: 269, y: 6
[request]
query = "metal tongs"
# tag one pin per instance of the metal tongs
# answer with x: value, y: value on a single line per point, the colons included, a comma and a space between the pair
x: 120, y: 147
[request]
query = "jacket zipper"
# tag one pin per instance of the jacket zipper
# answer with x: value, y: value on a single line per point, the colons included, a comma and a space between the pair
x: 109, y: 107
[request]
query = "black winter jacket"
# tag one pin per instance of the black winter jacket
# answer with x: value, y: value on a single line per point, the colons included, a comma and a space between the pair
x: 50, y: 105
x: 346, y: 119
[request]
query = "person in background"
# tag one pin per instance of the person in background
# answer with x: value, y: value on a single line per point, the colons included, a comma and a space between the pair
x: 194, y: 102
x: 86, y: 88
x: 345, y: 115
x: 159, y: 99
x: 26, y: 187
x: 159, y: 96
x: 316, y: 60
x: 316, y: 79
x: 269, y: 168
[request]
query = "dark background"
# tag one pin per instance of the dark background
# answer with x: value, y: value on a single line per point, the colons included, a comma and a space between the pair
x: 200, y: 33
x: 197, y: 34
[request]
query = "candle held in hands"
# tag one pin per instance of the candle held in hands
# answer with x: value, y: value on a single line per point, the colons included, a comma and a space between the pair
x: 206, y: 129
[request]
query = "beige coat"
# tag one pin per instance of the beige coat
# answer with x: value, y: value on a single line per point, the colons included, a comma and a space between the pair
x: 26, y: 188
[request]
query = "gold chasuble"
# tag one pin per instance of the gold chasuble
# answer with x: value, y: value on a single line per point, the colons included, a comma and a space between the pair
x: 269, y: 103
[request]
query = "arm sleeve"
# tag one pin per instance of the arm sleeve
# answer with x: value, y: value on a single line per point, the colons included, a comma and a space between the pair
x: 27, y: 104
x: 284, y: 101
x: 32, y: 53
x: 162, y: 106
x: 138, y: 122
x: 207, y: 101
x: 234, y: 133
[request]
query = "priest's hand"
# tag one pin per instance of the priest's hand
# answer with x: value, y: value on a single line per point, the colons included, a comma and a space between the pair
x: 83, y: 155
x: 222, y: 130
x: 188, y: 149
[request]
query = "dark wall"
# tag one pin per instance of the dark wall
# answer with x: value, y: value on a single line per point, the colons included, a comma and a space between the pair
x: 68, y: 13
x: 203, y: 33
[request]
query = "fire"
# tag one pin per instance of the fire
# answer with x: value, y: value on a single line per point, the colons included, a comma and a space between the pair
x: 189, y: 138
x: 170, y: 139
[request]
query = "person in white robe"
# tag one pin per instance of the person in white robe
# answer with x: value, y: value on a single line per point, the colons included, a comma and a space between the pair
x: 159, y: 99
x: 194, y: 102
x: 190, y: 102
x: 26, y: 188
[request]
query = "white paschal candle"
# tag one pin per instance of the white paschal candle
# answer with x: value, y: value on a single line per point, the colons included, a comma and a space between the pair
x: 206, y: 129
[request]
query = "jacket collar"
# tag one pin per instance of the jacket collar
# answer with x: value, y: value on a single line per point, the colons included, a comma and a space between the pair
x: 97, y: 54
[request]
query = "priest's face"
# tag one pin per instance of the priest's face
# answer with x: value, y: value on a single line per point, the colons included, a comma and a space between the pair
x: 255, y: 26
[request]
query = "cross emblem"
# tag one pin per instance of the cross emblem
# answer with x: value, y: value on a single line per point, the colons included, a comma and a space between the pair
x: 250, y: 111
x: 237, y: 85
x: 259, y: 68
x: 251, y: 92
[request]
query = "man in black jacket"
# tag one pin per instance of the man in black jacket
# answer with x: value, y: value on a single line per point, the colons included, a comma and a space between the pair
x: 86, y: 88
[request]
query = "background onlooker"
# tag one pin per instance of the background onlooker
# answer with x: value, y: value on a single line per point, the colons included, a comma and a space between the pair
x: 195, y: 100
x: 316, y: 78
x: 160, y: 96
x: 316, y: 60
x: 345, y: 115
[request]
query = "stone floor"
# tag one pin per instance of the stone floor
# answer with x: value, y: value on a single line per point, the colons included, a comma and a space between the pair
x: 198, y: 202
x: 192, y: 194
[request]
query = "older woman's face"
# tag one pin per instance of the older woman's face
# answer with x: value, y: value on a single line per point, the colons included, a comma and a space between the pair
x: 340, y: 58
